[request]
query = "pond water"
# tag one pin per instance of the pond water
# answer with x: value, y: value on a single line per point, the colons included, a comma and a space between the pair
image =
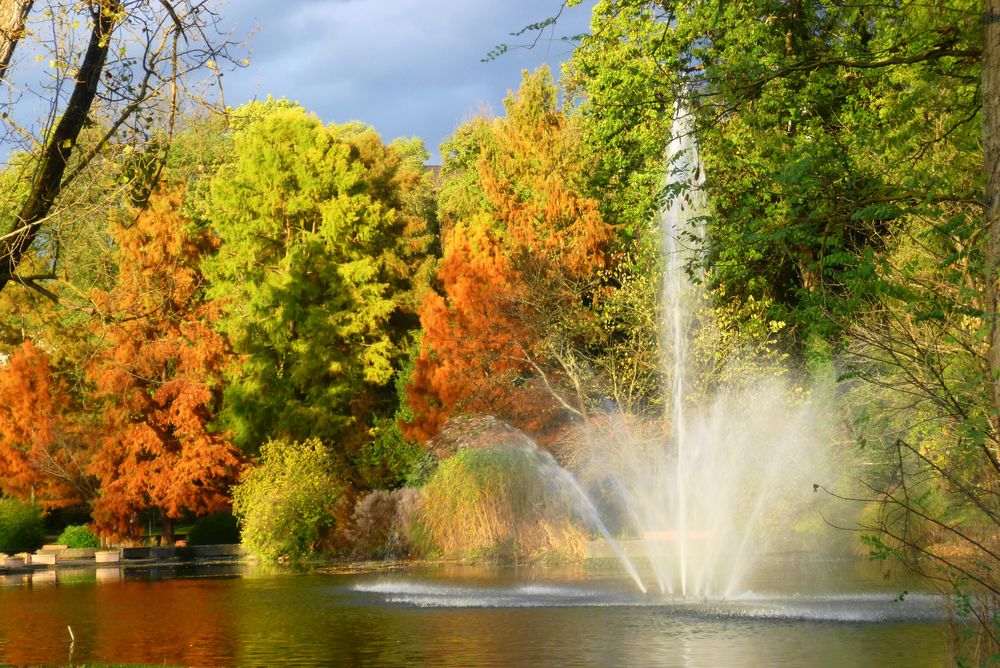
x: 827, y: 614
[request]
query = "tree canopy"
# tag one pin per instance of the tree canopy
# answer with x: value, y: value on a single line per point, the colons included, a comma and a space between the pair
x: 522, y: 250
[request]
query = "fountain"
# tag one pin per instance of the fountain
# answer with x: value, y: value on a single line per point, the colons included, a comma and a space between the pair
x: 730, y: 472
x: 727, y: 474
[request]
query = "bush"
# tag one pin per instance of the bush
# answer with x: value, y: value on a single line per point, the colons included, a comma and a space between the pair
x: 498, y: 502
x: 78, y: 535
x: 285, y: 504
x: 217, y: 529
x: 381, y: 523
x: 21, y: 527
x: 388, y: 461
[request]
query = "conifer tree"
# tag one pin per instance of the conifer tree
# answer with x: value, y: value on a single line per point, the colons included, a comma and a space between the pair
x: 44, y: 448
x: 523, y: 248
x: 323, y: 246
x: 159, y: 374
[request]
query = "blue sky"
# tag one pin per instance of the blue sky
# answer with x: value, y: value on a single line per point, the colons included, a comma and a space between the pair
x: 406, y: 67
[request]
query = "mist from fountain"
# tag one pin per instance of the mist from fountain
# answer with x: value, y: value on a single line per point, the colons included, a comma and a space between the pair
x: 577, y: 498
x: 731, y: 471
x: 727, y: 474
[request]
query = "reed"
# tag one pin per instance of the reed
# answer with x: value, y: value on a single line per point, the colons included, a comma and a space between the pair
x: 496, y: 503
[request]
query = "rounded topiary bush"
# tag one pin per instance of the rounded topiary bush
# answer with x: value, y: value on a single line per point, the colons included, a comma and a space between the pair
x: 21, y: 528
x: 216, y: 529
x: 78, y: 535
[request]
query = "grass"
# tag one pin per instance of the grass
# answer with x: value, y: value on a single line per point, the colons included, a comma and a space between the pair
x: 495, y: 504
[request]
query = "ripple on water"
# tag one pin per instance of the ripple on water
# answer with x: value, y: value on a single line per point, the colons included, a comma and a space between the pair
x: 866, y: 607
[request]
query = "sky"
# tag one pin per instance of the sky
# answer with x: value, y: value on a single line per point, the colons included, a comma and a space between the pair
x: 406, y: 67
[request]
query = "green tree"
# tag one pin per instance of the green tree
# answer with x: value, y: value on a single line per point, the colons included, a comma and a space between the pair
x: 844, y: 146
x: 323, y: 249
x: 825, y: 128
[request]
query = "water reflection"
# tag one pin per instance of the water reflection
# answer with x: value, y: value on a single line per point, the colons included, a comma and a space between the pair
x: 579, y: 617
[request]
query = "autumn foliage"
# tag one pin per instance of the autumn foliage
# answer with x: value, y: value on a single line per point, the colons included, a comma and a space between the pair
x: 519, y: 264
x: 43, y: 448
x: 159, y: 376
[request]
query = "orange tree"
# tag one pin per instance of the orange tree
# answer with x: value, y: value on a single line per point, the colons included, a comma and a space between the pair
x: 44, y: 447
x: 159, y: 374
x: 522, y: 251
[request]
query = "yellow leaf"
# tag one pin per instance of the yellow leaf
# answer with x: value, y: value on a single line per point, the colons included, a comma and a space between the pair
x: 52, y: 63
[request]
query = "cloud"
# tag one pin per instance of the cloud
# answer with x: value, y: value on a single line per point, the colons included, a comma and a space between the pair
x: 407, y: 67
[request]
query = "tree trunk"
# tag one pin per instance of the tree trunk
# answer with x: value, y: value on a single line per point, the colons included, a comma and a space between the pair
x: 52, y: 162
x: 167, y: 532
x: 13, y: 14
x: 991, y: 145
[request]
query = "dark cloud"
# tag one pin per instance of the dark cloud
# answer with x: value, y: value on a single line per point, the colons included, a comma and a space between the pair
x: 407, y: 67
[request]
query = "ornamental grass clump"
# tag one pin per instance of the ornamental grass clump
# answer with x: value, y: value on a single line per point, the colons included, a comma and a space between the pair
x: 381, y: 524
x: 500, y: 503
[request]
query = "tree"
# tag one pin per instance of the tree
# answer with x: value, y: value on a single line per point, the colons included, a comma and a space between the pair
x: 991, y: 167
x: 159, y: 376
x: 44, y: 447
x: 845, y: 146
x: 120, y: 92
x: 13, y: 16
x: 522, y: 250
x: 813, y: 124
x: 322, y: 250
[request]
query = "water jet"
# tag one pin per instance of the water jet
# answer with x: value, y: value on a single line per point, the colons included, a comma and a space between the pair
x: 730, y: 469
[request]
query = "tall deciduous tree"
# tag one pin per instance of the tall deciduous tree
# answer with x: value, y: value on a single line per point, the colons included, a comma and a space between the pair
x: 825, y: 128
x: 845, y: 146
x: 159, y: 374
x: 991, y: 164
x: 13, y: 15
x: 134, y: 70
x: 522, y: 250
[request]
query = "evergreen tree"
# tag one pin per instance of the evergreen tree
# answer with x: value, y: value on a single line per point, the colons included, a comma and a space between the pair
x: 323, y: 248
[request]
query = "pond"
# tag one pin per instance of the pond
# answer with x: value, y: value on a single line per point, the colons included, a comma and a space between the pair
x: 825, y: 614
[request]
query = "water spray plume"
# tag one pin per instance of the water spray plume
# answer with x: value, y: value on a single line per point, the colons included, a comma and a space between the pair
x: 732, y: 468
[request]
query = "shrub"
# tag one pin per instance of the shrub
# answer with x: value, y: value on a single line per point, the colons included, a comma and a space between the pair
x: 78, y: 535
x: 499, y: 502
x: 21, y: 528
x: 389, y: 460
x: 381, y: 523
x: 422, y: 470
x: 285, y: 504
x: 216, y: 529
